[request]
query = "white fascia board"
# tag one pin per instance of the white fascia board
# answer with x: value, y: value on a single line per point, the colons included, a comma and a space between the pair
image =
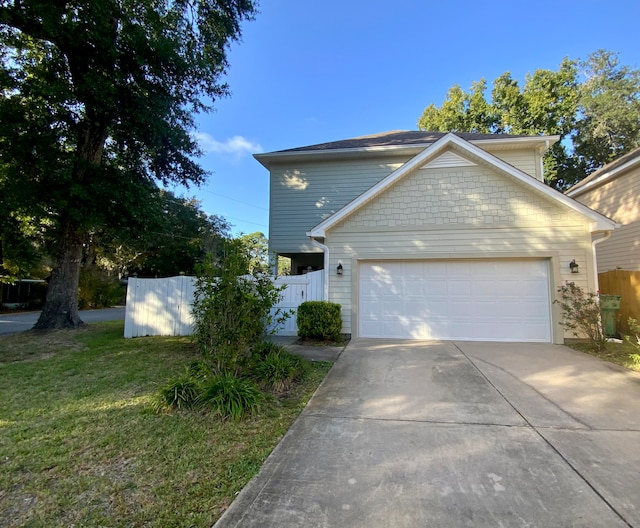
x: 601, y: 179
x: 543, y: 142
x: 268, y: 158
x: 599, y: 222
x: 307, y: 155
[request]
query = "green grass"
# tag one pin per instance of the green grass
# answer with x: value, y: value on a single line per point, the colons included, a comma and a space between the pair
x: 79, y: 445
x: 624, y: 354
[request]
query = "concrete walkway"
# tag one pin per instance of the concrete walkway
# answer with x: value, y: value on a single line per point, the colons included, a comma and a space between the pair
x: 441, y: 434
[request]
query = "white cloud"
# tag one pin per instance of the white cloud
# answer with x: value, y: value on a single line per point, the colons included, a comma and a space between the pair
x: 237, y: 145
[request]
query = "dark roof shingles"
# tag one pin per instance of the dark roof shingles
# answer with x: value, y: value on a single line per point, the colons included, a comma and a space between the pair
x: 396, y: 138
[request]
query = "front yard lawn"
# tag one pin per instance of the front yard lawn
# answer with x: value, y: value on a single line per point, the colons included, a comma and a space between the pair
x: 79, y: 445
x: 624, y: 354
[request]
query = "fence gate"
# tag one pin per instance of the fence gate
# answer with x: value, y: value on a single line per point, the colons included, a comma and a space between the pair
x: 298, y: 289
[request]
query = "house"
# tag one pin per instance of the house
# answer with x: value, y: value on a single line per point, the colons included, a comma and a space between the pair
x: 433, y: 235
x: 614, y: 191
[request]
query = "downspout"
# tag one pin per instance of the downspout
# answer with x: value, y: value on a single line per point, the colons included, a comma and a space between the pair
x: 325, y: 277
x: 594, y: 243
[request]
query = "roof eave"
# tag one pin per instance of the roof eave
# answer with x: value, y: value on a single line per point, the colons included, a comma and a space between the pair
x: 269, y: 158
x: 600, y: 179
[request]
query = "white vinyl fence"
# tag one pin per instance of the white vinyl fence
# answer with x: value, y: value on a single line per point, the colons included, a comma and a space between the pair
x: 163, y: 306
x: 159, y: 307
x: 298, y: 289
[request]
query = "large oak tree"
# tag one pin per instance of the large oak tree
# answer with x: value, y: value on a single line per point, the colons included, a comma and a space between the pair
x: 97, y: 106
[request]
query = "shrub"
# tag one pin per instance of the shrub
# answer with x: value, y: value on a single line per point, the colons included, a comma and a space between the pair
x: 230, y: 396
x: 319, y: 320
x: 634, y: 326
x: 264, y: 348
x: 581, y: 314
x: 182, y: 392
x: 279, y: 369
x: 232, y: 311
x: 634, y: 339
x: 199, y: 370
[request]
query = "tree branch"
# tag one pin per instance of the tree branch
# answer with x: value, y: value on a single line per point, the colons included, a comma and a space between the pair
x: 18, y: 17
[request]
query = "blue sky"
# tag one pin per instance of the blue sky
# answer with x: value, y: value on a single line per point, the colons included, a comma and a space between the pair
x: 308, y: 72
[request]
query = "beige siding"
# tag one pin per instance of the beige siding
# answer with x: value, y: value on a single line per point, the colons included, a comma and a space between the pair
x: 621, y: 250
x: 618, y: 199
x: 525, y: 160
x: 470, y: 195
x: 470, y: 212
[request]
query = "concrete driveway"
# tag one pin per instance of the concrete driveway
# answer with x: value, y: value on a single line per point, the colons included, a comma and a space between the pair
x: 442, y: 434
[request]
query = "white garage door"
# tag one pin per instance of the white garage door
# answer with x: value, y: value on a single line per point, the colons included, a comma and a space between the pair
x: 467, y: 300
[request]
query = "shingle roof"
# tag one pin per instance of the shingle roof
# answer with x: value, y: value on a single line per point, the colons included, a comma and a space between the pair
x: 396, y: 138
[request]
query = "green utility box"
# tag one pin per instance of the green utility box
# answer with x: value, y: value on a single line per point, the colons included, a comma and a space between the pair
x: 609, y: 306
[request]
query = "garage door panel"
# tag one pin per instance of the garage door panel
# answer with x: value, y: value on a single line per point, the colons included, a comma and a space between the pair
x: 462, y: 308
x: 392, y: 309
x: 464, y: 300
x: 506, y: 311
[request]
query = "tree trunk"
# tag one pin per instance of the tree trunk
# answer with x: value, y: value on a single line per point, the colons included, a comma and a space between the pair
x: 60, y: 308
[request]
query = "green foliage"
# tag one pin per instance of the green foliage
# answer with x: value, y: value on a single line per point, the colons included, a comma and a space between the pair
x: 610, y: 104
x: 634, y: 326
x: 99, y: 290
x: 284, y: 266
x: 460, y: 111
x: 230, y: 396
x: 634, y: 339
x: 593, y: 105
x: 22, y: 245
x: 182, y: 392
x: 116, y: 463
x: 97, y: 104
x: 264, y: 348
x: 256, y: 247
x: 320, y: 320
x: 174, y: 236
x: 232, y: 311
x: 278, y: 369
x: 581, y: 314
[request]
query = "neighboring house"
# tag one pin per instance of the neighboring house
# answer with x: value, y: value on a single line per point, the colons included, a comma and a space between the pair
x: 432, y: 235
x: 614, y: 191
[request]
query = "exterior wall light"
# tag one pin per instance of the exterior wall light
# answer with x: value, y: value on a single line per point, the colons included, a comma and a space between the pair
x: 574, y: 267
x: 339, y: 269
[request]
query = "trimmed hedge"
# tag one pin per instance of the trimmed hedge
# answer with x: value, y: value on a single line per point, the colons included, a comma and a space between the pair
x: 319, y: 320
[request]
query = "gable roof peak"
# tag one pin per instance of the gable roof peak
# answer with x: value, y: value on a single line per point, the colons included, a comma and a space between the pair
x: 599, y: 222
